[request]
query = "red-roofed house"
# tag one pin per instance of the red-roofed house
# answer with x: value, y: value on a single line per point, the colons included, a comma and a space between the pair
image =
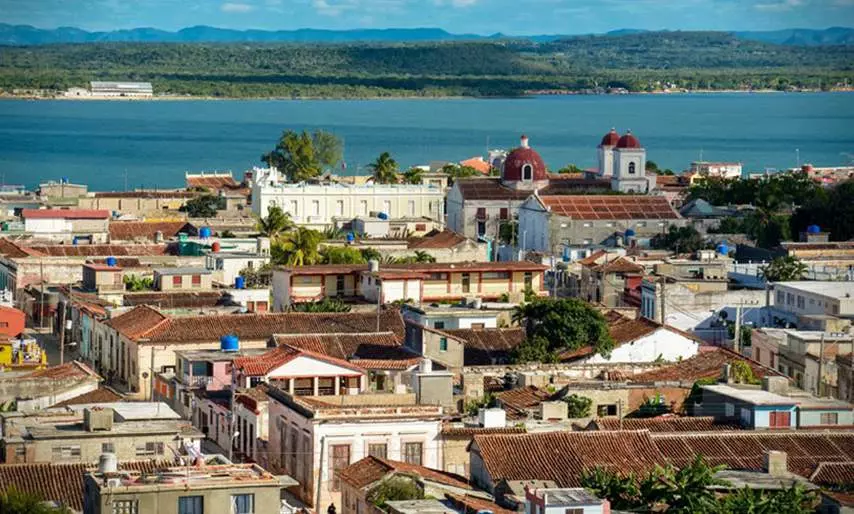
x: 67, y: 224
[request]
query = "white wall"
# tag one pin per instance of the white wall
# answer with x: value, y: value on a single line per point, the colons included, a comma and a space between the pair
x: 308, y: 367
x: 662, y: 343
x: 534, y: 226
x: 47, y: 225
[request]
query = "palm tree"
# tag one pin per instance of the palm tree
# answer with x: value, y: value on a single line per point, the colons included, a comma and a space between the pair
x: 298, y: 247
x: 422, y: 256
x: 384, y: 169
x: 276, y: 223
x: 784, y: 269
x: 413, y: 176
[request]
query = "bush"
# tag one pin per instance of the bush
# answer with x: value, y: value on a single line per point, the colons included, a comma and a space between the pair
x: 578, y: 406
x: 396, y: 488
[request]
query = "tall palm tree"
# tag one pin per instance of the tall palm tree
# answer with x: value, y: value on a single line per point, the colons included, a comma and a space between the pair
x: 413, y: 176
x: 384, y: 169
x: 422, y: 256
x: 299, y: 247
x: 276, y: 223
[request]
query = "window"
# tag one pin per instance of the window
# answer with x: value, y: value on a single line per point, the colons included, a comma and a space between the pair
x: 632, y: 168
x: 801, y: 303
x: 443, y: 344
x: 609, y: 224
x: 640, y: 224
x: 108, y: 448
x: 197, y: 281
x: 363, y: 207
x: 438, y: 276
x: 481, y: 228
x: 790, y: 299
x: 504, y: 213
x: 339, y: 284
x: 125, y: 507
x: 412, y: 453
x: 149, y: 449
x: 177, y: 281
x: 781, y: 297
x: 242, y: 503
x: 496, y: 275
x: 529, y: 280
x: 757, y: 355
x: 294, y: 210
x: 379, y: 450
x: 439, y: 325
x: 527, y: 172
x: 387, y: 207
x: 481, y: 213
x: 574, y: 511
x: 339, y: 459
x: 466, y: 282
x: 191, y: 505
x: 729, y: 410
x: 339, y: 208
x: 829, y: 418
x: 411, y: 207
x: 606, y: 410
x: 66, y: 452
x: 315, y: 207
x: 588, y: 224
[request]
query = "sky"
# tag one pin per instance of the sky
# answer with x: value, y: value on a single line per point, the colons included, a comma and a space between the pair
x: 512, y: 17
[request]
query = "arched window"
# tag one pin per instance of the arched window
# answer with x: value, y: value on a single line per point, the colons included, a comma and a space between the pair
x: 527, y: 172
x: 631, y: 168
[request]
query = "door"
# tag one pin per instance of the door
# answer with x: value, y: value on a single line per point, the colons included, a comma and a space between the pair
x: 780, y: 419
x: 466, y: 283
x: 339, y: 459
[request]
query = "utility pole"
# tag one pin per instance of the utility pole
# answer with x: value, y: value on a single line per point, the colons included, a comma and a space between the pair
x: 151, y: 373
x: 737, y: 341
x: 663, y: 301
x: 820, y: 363
x: 379, y: 305
x: 62, y: 333
x: 41, y: 302
x: 231, y: 416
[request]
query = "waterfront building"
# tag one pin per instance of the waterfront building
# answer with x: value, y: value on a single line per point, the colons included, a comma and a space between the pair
x: 121, y: 89
x: 67, y: 225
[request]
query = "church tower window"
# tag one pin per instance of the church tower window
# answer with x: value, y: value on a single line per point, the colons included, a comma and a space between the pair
x: 631, y: 168
x: 527, y: 172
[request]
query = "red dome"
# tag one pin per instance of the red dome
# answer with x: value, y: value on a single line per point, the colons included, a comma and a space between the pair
x: 518, y: 159
x: 610, y: 139
x: 628, y: 141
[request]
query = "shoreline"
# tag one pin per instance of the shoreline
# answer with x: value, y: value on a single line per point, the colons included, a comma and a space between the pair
x: 532, y: 94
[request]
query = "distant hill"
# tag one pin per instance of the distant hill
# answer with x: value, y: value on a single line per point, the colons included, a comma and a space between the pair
x: 25, y: 35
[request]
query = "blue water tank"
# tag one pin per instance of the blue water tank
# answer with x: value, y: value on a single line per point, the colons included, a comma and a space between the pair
x: 814, y: 229
x: 239, y: 282
x: 111, y: 261
x: 630, y: 232
x: 65, y: 180
x: 722, y: 249
x: 74, y: 241
x: 205, y: 232
x: 382, y: 215
x: 351, y: 237
x: 229, y: 343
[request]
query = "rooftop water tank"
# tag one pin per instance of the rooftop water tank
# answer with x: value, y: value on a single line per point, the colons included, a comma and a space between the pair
x: 630, y: 232
x: 108, y: 463
x: 722, y: 249
x: 205, y: 232
x: 216, y: 246
x: 111, y: 261
x: 382, y: 215
x: 351, y: 237
x: 239, y: 282
x: 229, y: 343
x: 814, y: 229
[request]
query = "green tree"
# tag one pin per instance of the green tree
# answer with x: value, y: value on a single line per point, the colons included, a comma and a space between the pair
x: 456, y: 171
x: 258, y: 277
x: 679, y: 240
x: 325, y: 305
x: 508, y: 232
x: 413, y: 176
x: 794, y: 500
x: 371, y: 254
x: 302, y: 156
x: 15, y: 501
x: 730, y: 225
x: 555, y: 325
x: 297, y: 247
x: 570, y: 168
x: 396, y: 488
x: 202, y: 206
x: 342, y: 255
x: 384, y: 169
x: 135, y: 283
x: 276, y: 222
x: 578, y: 406
x: 422, y: 256
x: 832, y: 210
x: 784, y: 269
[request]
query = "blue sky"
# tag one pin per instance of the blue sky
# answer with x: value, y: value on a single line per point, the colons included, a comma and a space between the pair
x: 470, y: 16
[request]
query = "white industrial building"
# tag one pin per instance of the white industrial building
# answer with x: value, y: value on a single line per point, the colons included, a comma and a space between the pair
x: 129, y: 89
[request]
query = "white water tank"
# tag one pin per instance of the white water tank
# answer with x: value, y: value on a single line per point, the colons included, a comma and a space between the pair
x: 373, y: 265
x: 492, y: 418
x: 425, y: 366
x: 108, y: 463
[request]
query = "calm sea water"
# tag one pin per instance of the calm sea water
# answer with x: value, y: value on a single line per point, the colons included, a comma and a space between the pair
x: 153, y: 143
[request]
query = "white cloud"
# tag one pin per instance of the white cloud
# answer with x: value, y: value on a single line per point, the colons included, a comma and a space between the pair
x: 234, y: 7
x: 779, y: 6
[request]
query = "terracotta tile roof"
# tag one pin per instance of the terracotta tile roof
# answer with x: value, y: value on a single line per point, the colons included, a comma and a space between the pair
x: 830, y: 474
x: 593, y: 258
x: 618, y: 265
x: 518, y: 402
x: 484, y: 347
x: 74, y: 369
x: 14, y: 250
x: 477, y: 163
x: 69, y: 214
x: 562, y: 456
x: 101, y: 250
x: 144, y: 230
x: 101, y: 267
x: 451, y: 431
x: 610, y: 207
x: 444, y: 239
x: 212, y: 181
x: 425, y: 267
x: 744, y: 450
x: 706, y: 364
x: 100, y: 395
x: 154, y: 327
x: 251, y: 398
x: 261, y: 365
x: 369, y: 470
x: 175, y: 300
x: 474, y: 504
x: 145, y: 194
x: 62, y: 483
x: 491, y: 188
x: 663, y: 424
x: 846, y: 499
x: 367, y: 350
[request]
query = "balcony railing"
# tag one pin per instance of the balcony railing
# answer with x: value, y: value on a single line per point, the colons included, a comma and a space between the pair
x: 198, y: 381
x: 482, y: 216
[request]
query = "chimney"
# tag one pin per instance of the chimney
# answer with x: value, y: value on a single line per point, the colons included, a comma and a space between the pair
x: 523, y: 142
x: 774, y: 463
x: 726, y: 374
x: 776, y: 385
x: 158, y: 237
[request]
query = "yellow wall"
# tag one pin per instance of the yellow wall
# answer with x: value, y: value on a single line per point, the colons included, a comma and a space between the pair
x: 307, y: 286
x: 332, y: 285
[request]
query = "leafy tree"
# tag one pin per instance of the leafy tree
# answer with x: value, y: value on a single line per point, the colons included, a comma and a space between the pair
x: 276, y: 222
x: 652, y: 406
x: 832, y: 210
x: 767, y: 228
x: 680, y: 240
x: 475, y: 404
x: 456, y: 171
x: 651, y: 167
x: 742, y: 373
x: 15, y: 501
x: 325, y: 305
x: 202, y: 206
x: 784, y: 269
x: 384, y: 169
x: 570, y: 168
x: 730, y: 225
x: 136, y: 283
x: 396, y: 488
x: 371, y: 254
x: 413, y: 176
x: 227, y: 234
x: 794, y: 500
x: 419, y: 257
x: 508, y: 232
x: 302, y: 156
x: 298, y: 247
x: 553, y: 325
x: 578, y: 406
x: 342, y: 255
x: 258, y: 277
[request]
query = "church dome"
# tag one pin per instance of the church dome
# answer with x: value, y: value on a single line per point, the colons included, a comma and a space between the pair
x: 610, y: 139
x: 628, y: 141
x: 524, y: 163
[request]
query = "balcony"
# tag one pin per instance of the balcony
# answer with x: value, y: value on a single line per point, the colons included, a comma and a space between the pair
x: 197, y: 381
x: 481, y: 216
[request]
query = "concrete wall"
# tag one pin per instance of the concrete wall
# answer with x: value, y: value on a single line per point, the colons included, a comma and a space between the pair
x: 812, y: 418
x: 165, y: 501
x: 661, y: 345
x: 166, y: 282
